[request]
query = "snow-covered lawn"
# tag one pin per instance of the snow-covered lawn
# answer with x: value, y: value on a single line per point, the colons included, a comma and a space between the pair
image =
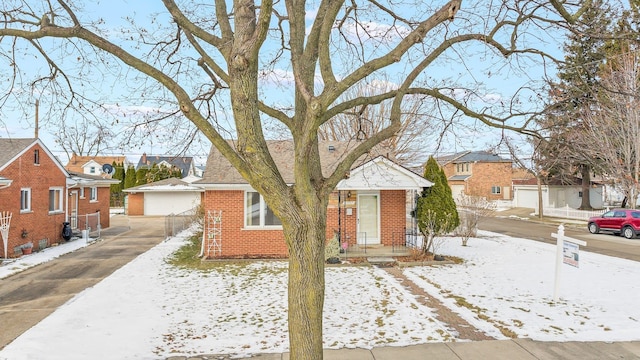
x: 150, y: 310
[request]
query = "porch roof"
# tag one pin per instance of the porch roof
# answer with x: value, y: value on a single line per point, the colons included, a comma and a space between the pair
x: 383, y: 174
x: 459, y: 177
x: 79, y: 179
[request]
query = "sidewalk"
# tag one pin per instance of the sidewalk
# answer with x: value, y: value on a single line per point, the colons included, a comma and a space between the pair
x: 518, y: 349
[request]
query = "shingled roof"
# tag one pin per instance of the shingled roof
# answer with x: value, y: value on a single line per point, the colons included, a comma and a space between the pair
x: 220, y: 171
x: 76, y: 162
x: 181, y: 162
x: 470, y: 157
x: 9, y: 148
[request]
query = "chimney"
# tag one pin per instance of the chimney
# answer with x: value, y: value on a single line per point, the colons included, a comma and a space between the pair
x: 144, y: 158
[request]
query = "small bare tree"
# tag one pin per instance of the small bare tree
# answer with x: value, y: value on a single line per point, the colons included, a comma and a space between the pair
x: 472, y: 209
x: 433, y: 226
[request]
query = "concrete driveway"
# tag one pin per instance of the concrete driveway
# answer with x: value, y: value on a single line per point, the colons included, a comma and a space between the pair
x: 29, y: 296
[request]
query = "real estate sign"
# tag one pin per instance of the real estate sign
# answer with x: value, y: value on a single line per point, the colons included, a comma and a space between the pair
x: 570, y: 253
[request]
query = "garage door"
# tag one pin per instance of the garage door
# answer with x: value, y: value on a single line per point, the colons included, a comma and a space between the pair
x: 165, y: 203
x: 527, y: 198
x: 457, y: 190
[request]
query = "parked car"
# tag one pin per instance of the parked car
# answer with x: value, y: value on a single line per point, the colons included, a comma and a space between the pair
x: 618, y: 221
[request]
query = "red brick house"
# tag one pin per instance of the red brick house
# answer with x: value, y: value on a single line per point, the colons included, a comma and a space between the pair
x: 478, y: 173
x: 368, y: 208
x: 40, y: 194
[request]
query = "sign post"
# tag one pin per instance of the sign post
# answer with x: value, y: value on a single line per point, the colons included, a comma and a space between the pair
x: 567, y: 251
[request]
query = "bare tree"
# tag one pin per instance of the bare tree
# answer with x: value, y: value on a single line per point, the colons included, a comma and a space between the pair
x: 209, y: 63
x: 472, y: 209
x: 84, y: 138
x: 419, y: 120
x: 613, y: 129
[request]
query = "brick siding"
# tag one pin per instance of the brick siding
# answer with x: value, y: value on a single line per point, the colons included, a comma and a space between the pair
x: 238, y: 241
x: 484, y: 175
x: 39, y: 223
x: 135, y: 204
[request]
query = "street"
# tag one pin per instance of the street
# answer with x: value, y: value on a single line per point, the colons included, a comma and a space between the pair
x: 535, y: 229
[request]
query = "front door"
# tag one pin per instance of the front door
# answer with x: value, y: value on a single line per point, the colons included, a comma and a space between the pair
x: 73, y: 209
x: 368, y: 219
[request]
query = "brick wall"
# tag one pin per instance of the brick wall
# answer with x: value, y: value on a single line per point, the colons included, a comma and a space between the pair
x: 238, y: 241
x: 135, y: 204
x: 486, y: 175
x: 235, y: 239
x: 393, y: 217
x: 85, y: 206
x: 39, y: 223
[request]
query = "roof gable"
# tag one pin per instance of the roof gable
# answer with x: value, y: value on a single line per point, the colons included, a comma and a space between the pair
x: 11, y: 149
x: 383, y: 174
x: 78, y: 163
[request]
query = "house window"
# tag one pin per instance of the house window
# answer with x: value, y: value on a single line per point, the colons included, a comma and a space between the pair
x: 496, y: 189
x: 257, y: 213
x: 36, y: 157
x: 93, y: 194
x: 25, y: 200
x: 55, y: 200
x: 82, y: 193
x: 92, y: 170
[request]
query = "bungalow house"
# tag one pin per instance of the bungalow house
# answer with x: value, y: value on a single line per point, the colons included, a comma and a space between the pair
x: 40, y: 195
x: 184, y: 163
x: 478, y: 173
x: 164, y: 197
x: 369, y: 207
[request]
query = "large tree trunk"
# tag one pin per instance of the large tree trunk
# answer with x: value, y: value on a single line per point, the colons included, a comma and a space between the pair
x: 540, y: 204
x: 306, y: 237
x: 586, y: 184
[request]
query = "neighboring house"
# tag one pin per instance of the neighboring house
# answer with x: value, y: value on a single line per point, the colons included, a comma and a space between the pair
x: 89, y: 200
x: 93, y: 165
x: 555, y: 193
x: 164, y: 197
x: 39, y: 193
x: 367, y: 208
x: 199, y: 170
x: 184, y: 163
x: 478, y: 173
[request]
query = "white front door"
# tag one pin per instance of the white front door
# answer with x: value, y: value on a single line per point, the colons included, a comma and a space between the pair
x: 368, y: 219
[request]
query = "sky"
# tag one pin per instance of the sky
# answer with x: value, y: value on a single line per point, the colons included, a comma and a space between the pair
x: 149, y: 309
x: 480, y: 68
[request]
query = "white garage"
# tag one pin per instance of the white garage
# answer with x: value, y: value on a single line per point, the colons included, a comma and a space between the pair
x: 169, y: 196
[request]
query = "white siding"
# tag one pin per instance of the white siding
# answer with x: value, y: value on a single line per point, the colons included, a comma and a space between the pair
x: 165, y: 203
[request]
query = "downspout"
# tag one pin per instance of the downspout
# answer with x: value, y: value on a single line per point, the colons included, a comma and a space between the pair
x: 204, y: 224
x: 339, y: 220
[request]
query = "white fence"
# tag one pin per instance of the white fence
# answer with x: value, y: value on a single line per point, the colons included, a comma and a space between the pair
x: 570, y: 213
